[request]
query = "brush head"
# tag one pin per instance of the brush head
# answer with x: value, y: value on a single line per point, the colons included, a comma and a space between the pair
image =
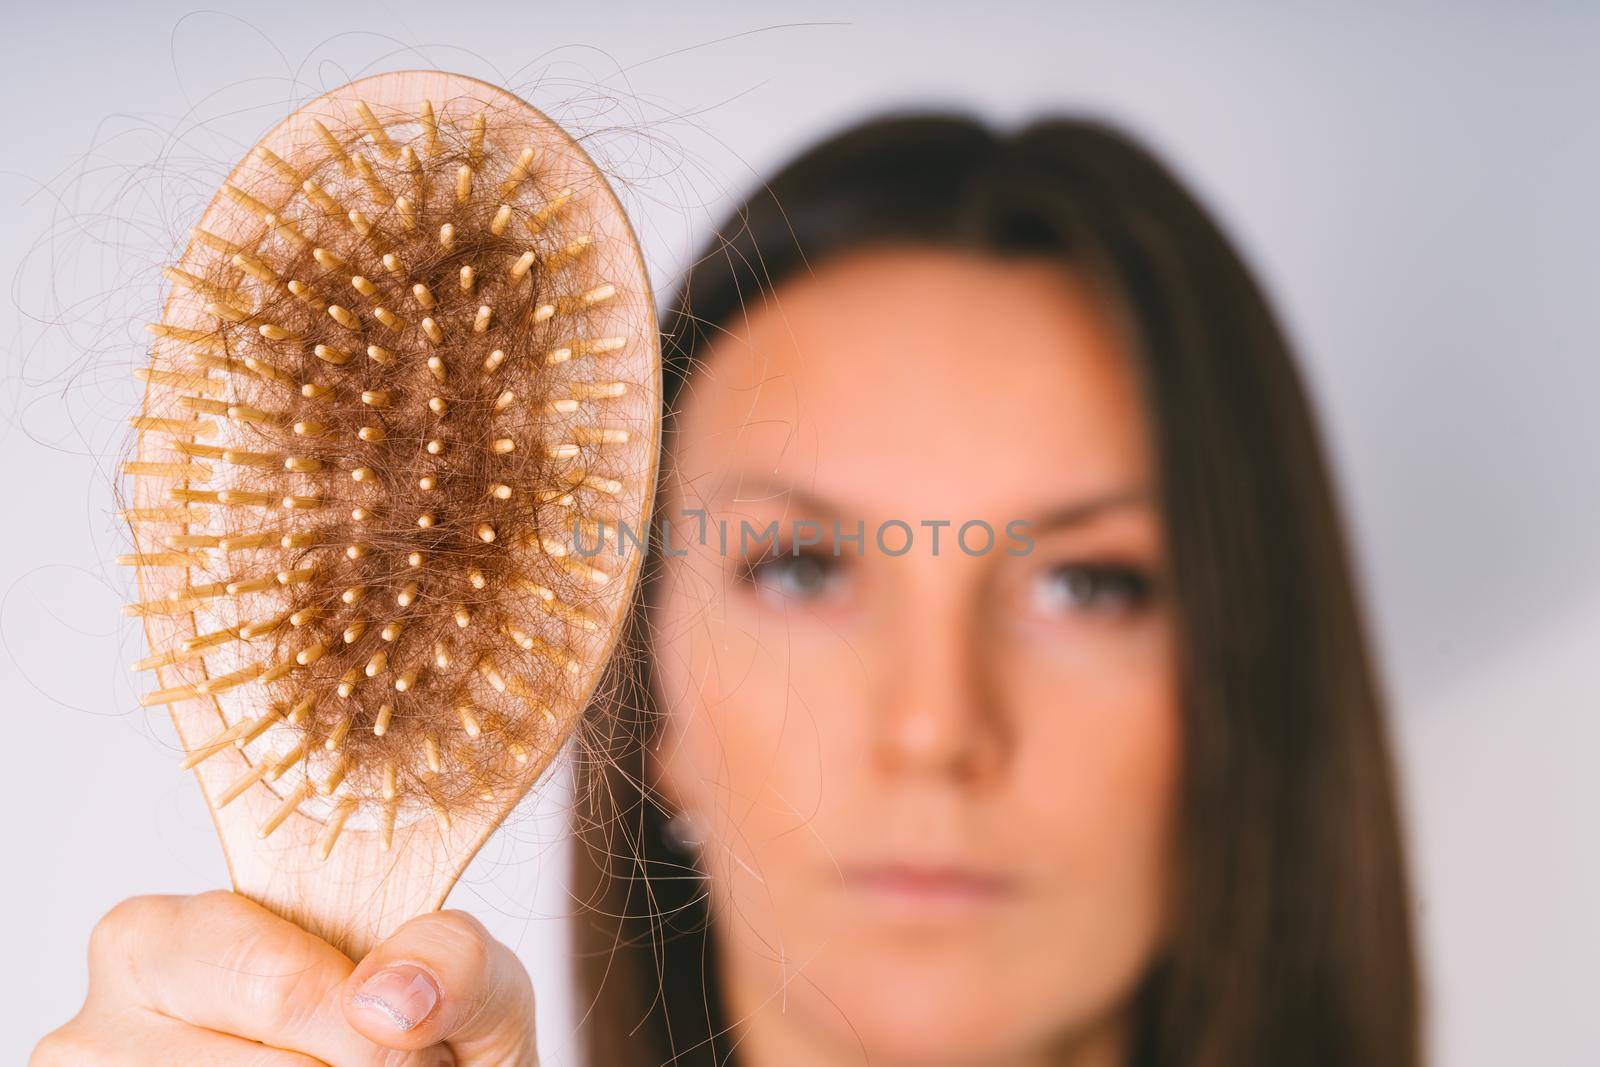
x: 403, y: 397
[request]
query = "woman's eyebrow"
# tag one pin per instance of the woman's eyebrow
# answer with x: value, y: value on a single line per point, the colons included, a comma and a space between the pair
x: 1080, y: 512
x: 762, y: 489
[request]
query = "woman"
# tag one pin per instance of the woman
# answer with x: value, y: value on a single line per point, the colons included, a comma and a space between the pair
x: 1107, y: 785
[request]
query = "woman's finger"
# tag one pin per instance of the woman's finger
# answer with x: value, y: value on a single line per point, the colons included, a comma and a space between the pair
x: 442, y: 978
x: 152, y: 1040
x: 221, y: 962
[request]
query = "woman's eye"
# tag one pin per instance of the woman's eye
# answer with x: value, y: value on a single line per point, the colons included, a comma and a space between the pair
x: 803, y: 577
x: 1091, y: 587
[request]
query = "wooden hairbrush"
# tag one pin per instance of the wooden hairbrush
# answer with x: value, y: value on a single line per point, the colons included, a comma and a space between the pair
x: 389, y: 484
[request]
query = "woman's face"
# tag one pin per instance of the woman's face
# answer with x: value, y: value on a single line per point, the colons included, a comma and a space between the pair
x: 936, y: 784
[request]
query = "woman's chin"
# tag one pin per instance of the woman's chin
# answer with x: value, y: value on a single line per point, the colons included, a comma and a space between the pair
x: 927, y: 1012
x: 901, y: 1035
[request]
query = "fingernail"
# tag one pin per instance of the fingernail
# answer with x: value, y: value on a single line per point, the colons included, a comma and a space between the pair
x: 402, y: 995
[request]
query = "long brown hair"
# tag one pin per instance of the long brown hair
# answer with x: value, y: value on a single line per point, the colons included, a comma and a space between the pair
x: 1292, y: 937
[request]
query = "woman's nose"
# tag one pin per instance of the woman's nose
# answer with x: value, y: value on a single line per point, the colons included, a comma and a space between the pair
x: 939, y: 715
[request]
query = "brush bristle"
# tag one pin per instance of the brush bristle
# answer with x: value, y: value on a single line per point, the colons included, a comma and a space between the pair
x: 387, y: 405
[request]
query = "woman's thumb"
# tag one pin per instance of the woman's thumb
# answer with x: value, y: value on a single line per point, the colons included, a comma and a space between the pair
x: 441, y: 979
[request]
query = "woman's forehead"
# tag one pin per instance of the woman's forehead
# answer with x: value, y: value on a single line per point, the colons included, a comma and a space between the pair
x: 922, y: 377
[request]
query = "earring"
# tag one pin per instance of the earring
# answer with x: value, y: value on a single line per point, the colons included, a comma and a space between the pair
x: 684, y: 832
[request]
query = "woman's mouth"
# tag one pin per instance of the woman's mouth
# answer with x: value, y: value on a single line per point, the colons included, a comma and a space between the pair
x: 915, y: 890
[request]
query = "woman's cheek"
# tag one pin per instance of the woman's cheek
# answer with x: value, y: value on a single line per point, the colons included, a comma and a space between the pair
x: 1095, y: 777
x: 760, y: 700
x: 790, y: 718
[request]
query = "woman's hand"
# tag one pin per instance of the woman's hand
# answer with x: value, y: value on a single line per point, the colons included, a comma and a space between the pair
x: 218, y: 980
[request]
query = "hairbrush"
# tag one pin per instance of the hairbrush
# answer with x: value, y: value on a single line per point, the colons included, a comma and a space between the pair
x: 401, y: 415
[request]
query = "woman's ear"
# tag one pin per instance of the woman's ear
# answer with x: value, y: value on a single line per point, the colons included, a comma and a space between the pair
x: 659, y: 780
x: 684, y: 828
x: 656, y: 785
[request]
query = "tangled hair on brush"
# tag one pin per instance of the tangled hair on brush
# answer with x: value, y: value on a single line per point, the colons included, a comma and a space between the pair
x: 1290, y: 928
x: 398, y: 407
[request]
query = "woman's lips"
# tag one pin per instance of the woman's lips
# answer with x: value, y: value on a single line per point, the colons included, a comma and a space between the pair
x: 921, y: 889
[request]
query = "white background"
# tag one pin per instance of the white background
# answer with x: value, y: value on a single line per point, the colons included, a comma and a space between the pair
x: 1420, y: 190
